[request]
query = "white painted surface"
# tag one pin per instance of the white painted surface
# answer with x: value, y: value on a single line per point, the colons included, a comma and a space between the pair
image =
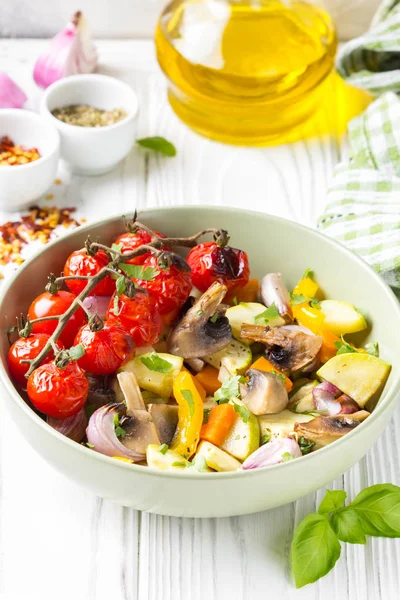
x: 59, y: 542
x: 130, y: 19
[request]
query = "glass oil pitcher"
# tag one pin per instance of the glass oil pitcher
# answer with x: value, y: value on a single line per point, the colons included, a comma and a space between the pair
x: 245, y: 71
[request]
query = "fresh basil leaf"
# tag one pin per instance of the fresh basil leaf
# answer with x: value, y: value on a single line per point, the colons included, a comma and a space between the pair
x: 347, y: 525
x: 76, y: 352
x: 154, y: 362
x: 372, y: 348
x: 120, y: 285
x: 286, y: 456
x: 265, y: 438
x: 333, y: 500
x: 344, y: 347
x: 116, y: 248
x: 308, y: 273
x: 139, y: 272
x: 187, y: 394
x: 267, y: 315
x: 315, y: 549
x: 242, y: 411
x: 305, y: 445
x: 159, y: 144
x: 298, y: 298
x: 378, y: 508
x: 229, y: 388
x: 163, y: 448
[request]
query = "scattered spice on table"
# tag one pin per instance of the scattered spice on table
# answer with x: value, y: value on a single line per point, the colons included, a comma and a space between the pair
x: 88, y: 116
x: 13, y: 155
x: 37, y: 225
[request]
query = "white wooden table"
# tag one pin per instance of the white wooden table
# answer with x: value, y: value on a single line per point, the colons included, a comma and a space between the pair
x: 58, y: 542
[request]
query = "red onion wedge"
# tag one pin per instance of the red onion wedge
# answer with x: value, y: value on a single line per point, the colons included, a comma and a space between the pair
x: 348, y: 405
x: 325, y: 398
x: 11, y: 96
x: 101, y: 434
x: 72, y: 427
x: 273, y: 453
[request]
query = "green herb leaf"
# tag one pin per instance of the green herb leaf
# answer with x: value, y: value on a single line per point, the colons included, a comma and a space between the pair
x: 120, y: 285
x: 139, y: 272
x: 119, y: 431
x: 116, y: 248
x: 76, y: 352
x: 179, y: 463
x: 308, y: 273
x: 315, y: 549
x: 305, y: 445
x: 214, y: 318
x: 229, y: 388
x: 154, y: 362
x: 333, y: 499
x: 115, y: 305
x: 163, y: 448
x: 344, y: 347
x: 286, y: 456
x: 159, y: 144
x: 347, y: 526
x: 281, y: 377
x: 378, y: 508
x: 265, y: 438
x: 187, y: 394
x: 268, y: 315
x: 315, y: 303
x: 372, y: 348
x: 297, y: 298
x: 89, y: 445
x: 242, y: 411
x: 235, y: 301
x: 206, y: 414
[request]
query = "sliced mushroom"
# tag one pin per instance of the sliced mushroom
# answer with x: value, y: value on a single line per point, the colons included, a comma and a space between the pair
x: 264, y: 393
x: 132, y: 396
x: 165, y: 419
x: 325, y: 430
x: 197, y: 334
x: 288, y: 350
x: 273, y: 291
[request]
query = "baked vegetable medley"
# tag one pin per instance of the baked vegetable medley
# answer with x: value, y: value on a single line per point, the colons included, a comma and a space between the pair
x: 191, y: 365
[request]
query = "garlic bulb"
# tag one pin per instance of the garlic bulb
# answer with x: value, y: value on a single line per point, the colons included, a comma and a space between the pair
x: 11, y: 96
x: 70, y: 52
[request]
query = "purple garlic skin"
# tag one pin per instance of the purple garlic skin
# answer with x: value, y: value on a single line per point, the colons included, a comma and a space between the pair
x: 273, y: 453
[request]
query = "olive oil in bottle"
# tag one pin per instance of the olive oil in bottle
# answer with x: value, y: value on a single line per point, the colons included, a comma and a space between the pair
x: 245, y: 71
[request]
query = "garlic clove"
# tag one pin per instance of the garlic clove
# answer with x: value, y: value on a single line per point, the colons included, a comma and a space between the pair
x: 11, y: 96
x: 71, y: 52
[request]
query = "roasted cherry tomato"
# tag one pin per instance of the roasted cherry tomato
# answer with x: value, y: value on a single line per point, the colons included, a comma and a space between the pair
x: 131, y: 241
x: 210, y: 262
x: 80, y: 263
x: 47, y: 305
x: 27, y: 348
x: 105, y: 350
x: 139, y: 316
x: 170, y: 288
x: 57, y: 392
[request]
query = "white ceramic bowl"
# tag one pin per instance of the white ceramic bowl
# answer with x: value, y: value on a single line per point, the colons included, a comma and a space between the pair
x: 21, y: 185
x: 92, y: 150
x: 280, y: 246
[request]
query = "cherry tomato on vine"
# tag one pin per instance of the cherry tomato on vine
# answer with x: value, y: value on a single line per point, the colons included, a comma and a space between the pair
x: 105, y: 350
x: 131, y: 241
x: 27, y: 348
x: 210, y: 262
x: 170, y: 288
x: 57, y: 392
x: 139, y: 316
x: 80, y: 263
x: 48, y: 305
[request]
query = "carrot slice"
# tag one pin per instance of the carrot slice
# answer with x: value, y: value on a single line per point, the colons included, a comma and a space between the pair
x: 248, y: 293
x: 208, y: 378
x: 262, y: 364
x: 328, y: 349
x: 220, y: 420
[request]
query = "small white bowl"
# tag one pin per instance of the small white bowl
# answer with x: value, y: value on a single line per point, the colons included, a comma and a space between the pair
x: 20, y: 185
x: 92, y: 150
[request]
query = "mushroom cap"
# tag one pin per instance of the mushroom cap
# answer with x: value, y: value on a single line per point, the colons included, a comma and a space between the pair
x: 265, y: 393
x: 325, y: 430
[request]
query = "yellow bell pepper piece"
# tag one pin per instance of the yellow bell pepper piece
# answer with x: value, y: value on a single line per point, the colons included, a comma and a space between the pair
x: 190, y: 415
x: 307, y: 287
x: 312, y: 318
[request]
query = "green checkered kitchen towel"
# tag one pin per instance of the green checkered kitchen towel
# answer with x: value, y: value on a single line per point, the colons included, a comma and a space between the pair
x: 363, y: 210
